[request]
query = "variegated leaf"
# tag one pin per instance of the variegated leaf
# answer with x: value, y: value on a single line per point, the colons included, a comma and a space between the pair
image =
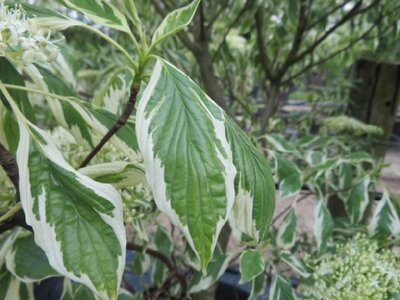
x: 286, y: 236
x: 27, y: 261
x: 385, y: 221
x: 279, y: 143
x: 257, y: 286
x: 114, y: 91
x: 10, y: 75
x: 174, y: 22
x: 323, y: 225
x: 76, y: 221
x: 295, y: 263
x: 255, y: 189
x: 251, y: 265
x: 281, y: 289
x: 120, y: 174
x: 358, y: 200
x: 101, y: 12
x: 7, y: 240
x: 187, y: 158
x: 217, y: 266
x: 78, y: 116
x: 289, y: 176
x: 164, y: 244
x: 12, y: 288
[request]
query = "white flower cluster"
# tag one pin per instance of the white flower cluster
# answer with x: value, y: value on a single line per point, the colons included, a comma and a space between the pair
x: 357, y: 270
x: 22, y: 40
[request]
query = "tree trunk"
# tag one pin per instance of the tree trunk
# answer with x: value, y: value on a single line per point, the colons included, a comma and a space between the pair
x: 375, y: 97
x: 272, y: 101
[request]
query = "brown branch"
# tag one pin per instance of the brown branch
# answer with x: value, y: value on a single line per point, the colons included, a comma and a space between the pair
x: 263, y: 56
x: 298, y: 38
x: 120, y: 123
x: 246, y: 6
x: 217, y: 14
x: 327, y: 14
x: 330, y: 56
x: 355, y: 11
x: 165, y: 260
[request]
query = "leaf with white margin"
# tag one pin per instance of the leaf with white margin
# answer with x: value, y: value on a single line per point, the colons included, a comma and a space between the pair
x: 289, y: 176
x: 281, y: 289
x: 257, y: 286
x: 323, y: 225
x: 255, y: 189
x: 164, y: 244
x: 78, y: 116
x: 217, y: 266
x: 286, y: 236
x: 76, y: 221
x: 251, y: 265
x: 187, y: 158
x: 357, y: 157
x: 28, y: 265
x: 101, y: 12
x: 174, y: 22
x: 295, y: 263
x: 7, y: 239
x: 11, y: 288
x: 385, y: 222
x: 114, y: 91
x: 280, y: 144
x: 121, y: 174
x: 358, y: 200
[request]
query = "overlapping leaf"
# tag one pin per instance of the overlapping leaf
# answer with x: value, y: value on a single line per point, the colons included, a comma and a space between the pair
x: 175, y: 21
x: 385, y: 222
x: 323, y: 225
x: 255, y: 189
x: 76, y: 221
x: 187, y: 157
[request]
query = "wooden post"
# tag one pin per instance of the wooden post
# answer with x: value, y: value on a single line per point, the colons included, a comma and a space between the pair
x: 375, y: 97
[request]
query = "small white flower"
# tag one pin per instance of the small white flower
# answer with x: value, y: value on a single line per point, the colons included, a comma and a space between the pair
x: 22, y: 40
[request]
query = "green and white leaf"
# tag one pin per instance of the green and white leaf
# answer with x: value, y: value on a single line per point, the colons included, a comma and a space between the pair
x: 7, y: 240
x: 174, y: 22
x: 80, y: 116
x: 12, y: 288
x: 289, y: 175
x: 257, y: 286
x: 101, y: 12
x: 358, y: 157
x: 358, y: 200
x: 76, y: 221
x: 286, y: 236
x: 280, y: 144
x: 295, y: 263
x: 281, y: 289
x: 114, y: 91
x: 27, y: 261
x: 187, y: 158
x: 251, y: 265
x: 255, y: 189
x: 385, y: 221
x: 164, y: 244
x: 217, y: 266
x: 323, y: 225
x: 120, y: 174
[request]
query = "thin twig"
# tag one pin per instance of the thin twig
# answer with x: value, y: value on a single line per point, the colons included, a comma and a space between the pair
x: 118, y: 125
